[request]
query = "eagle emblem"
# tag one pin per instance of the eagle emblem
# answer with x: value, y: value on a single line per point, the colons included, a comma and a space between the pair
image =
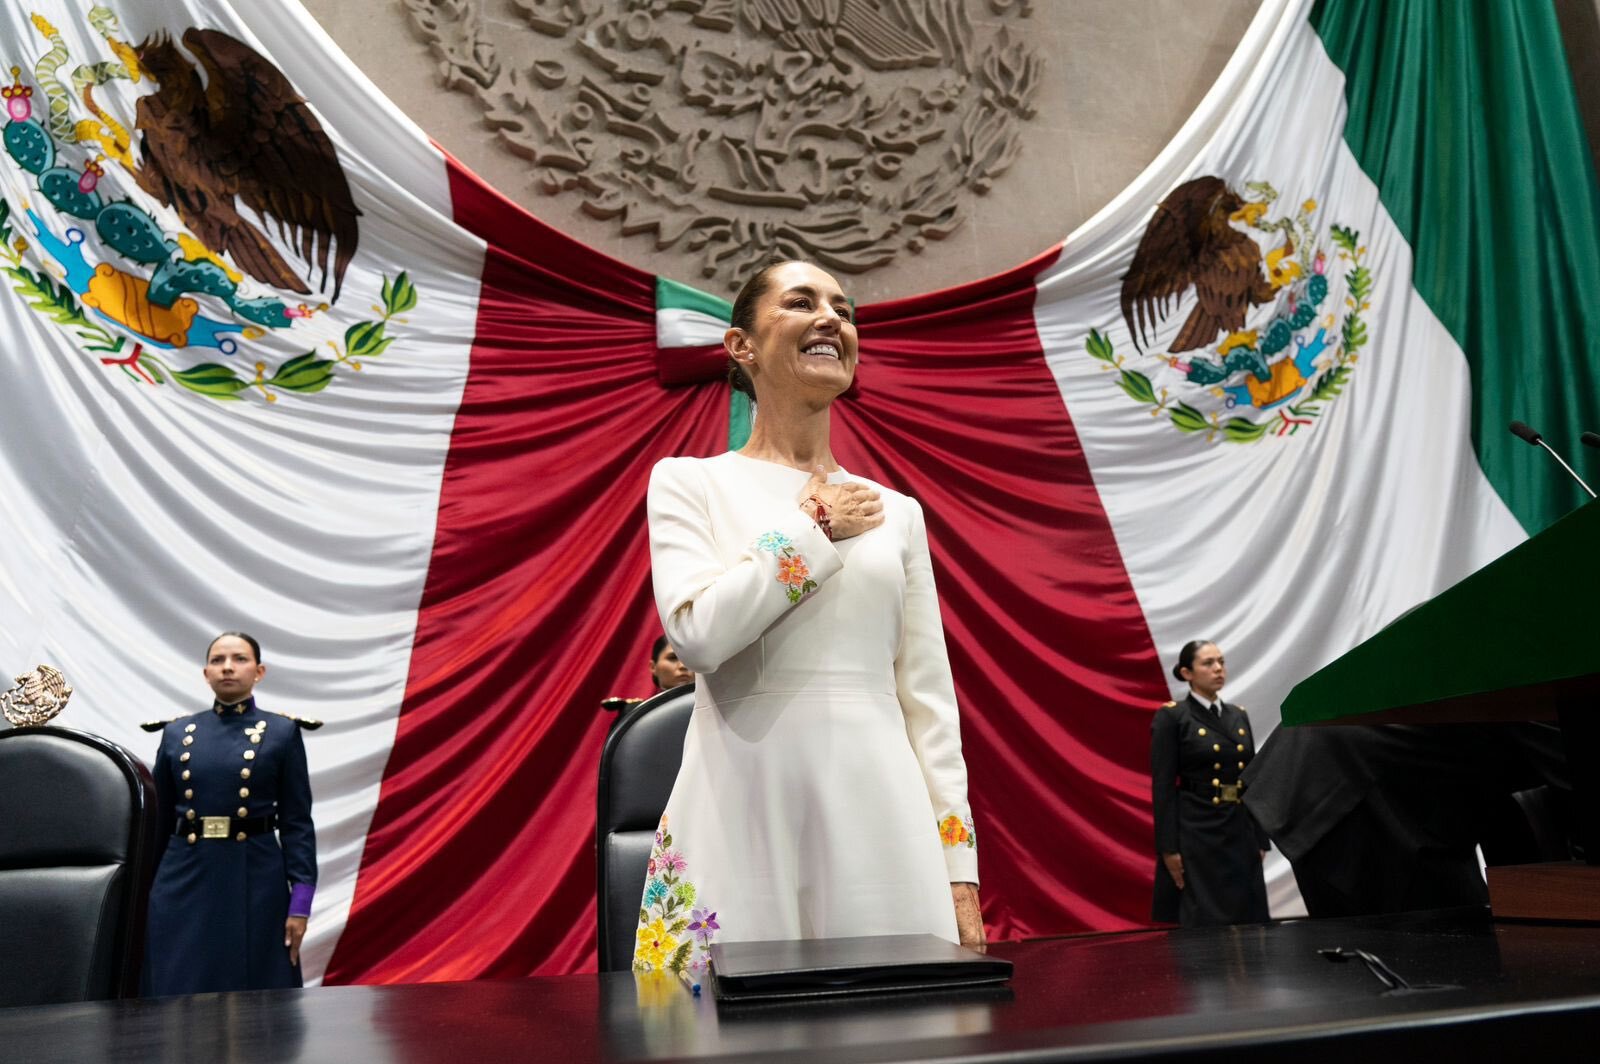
x: 243, y: 136
x: 1241, y: 302
x: 193, y: 216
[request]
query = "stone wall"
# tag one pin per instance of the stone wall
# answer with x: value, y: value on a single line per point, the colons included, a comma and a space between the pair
x: 909, y: 144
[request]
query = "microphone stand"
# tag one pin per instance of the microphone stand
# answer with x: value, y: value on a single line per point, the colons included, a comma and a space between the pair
x: 1525, y: 432
x: 1568, y: 468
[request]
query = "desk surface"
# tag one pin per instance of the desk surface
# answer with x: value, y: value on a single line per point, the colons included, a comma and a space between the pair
x: 1226, y: 994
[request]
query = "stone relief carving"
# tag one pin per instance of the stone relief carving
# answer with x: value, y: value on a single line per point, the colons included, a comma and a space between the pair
x: 842, y: 131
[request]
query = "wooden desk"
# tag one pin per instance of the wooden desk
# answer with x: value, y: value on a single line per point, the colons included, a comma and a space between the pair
x: 1234, y: 994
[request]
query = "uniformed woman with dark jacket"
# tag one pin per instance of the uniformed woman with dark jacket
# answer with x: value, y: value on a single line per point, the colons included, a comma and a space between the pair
x: 229, y: 906
x: 1209, y: 847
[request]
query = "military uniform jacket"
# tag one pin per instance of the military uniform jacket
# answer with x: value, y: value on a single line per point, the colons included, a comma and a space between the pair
x: 218, y: 905
x: 1196, y: 759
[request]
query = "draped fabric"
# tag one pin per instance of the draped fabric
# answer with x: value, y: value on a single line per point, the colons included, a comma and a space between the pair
x: 1466, y: 120
x: 426, y: 495
x: 537, y: 606
x: 163, y: 485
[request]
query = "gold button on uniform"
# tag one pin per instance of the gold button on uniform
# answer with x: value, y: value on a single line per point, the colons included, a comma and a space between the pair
x: 244, y: 773
x: 1241, y: 764
x: 1216, y: 765
x: 192, y: 837
x: 1216, y: 747
x: 188, y: 795
x: 240, y: 837
x: 244, y: 792
x: 243, y: 812
x: 255, y: 738
x: 1202, y: 731
x: 1241, y: 731
x: 184, y: 756
x: 1217, y: 800
x: 185, y: 773
x: 189, y: 728
x: 250, y: 755
x: 1241, y: 748
x: 1216, y: 783
x: 188, y: 740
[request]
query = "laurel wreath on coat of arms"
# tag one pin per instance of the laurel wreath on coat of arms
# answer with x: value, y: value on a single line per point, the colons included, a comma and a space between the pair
x: 1217, y: 377
x: 150, y: 246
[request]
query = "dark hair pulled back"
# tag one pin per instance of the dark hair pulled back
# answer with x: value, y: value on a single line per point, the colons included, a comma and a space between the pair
x: 744, y: 317
x: 1186, y: 657
x: 255, y: 648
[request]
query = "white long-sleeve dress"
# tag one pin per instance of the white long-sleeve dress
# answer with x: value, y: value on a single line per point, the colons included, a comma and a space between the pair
x: 822, y: 791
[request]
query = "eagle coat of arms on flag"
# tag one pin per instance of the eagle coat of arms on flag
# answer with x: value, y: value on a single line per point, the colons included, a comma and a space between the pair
x: 1217, y: 376
x: 150, y: 246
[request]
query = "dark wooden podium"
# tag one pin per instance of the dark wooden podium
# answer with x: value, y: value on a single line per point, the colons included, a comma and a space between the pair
x: 1517, y: 640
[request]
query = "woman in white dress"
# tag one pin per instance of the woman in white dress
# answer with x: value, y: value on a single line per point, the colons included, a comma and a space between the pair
x: 822, y: 792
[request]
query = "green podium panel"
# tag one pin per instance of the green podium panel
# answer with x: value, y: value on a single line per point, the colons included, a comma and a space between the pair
x: 1517, y: 640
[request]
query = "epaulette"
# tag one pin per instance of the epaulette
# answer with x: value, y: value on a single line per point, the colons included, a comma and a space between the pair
x: 1168, y: 705
x: 157, y: 725
x: 305, y: 722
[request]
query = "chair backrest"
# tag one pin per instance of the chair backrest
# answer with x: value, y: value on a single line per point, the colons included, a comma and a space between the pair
x: 637, y: 769
x: 77, y: 854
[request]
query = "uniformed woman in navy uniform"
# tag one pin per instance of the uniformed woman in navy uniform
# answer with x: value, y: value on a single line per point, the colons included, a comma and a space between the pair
x: 1208, y: 846
x: 229, y: 906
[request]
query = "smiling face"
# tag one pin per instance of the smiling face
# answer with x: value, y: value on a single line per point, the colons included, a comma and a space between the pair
x: 1209, y: 672
x: 232, y: 669
x: 802, y: 337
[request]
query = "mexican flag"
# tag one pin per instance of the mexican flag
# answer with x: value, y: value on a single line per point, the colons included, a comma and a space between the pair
x: 408, y: 450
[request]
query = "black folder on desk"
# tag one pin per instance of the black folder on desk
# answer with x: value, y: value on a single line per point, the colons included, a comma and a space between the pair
x: 819, y: 967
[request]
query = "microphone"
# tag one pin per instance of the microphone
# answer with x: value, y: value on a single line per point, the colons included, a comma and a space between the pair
x: 1590, y: 439
x: 1525, y: 432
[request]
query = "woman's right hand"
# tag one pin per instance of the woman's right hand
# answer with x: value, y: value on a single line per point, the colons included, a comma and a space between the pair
x: 852, y: 508
x: 1174, y: 863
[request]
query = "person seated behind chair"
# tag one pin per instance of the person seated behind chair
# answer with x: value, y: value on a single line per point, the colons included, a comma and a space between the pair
x: 666, y: 671
x: 1209, y: 848
x: 229, y: 905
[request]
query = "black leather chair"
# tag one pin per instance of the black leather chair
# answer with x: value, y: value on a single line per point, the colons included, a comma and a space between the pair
x: 637, y: 768
x: 78, y: 838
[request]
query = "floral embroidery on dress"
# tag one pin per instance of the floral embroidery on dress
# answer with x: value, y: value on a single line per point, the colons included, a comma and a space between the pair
x: 958, y: 831
x: 793, y: 572
x: 673, y: 936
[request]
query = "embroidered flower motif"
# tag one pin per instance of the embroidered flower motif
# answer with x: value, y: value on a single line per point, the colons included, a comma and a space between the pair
x: 672, y: 937
x: 773, y: 542
x: 955, y: 831
x: 703, y: 924
x: 793, y: 572
x: 656, y: 944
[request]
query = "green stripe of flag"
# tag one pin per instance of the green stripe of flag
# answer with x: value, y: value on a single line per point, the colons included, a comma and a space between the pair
x: 683, y: 312
x: 674, y: 295
x: 1464, y: 116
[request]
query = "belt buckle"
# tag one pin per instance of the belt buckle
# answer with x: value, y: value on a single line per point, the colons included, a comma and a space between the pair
x: 1230, y: 792
x: 215, y: 827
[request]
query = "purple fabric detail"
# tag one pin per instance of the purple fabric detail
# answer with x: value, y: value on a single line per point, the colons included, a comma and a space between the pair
x: 300, y: 899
